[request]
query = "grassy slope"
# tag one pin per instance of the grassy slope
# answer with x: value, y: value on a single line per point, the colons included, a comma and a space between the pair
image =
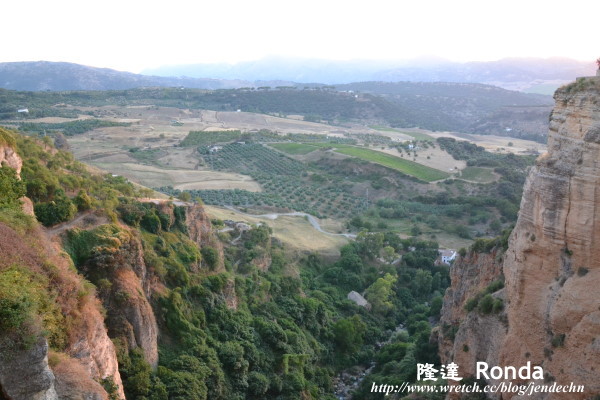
x: 478, y: 174
x: 415, y: 135
x: 294, y: 148
x: 408, y: 167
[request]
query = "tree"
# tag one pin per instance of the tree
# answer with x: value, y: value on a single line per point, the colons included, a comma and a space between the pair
x: 211, y: 256
x: 436, y: 306
x: 11, y: 188
x: 349, y: 334
x: 389, y: 254
x: 422, y: 283
x: 380, y: 292
x: 58, y: 210
x: 185, y: 196
x: 369, y: 243
x: 151, y: 222
x: 83, y: 201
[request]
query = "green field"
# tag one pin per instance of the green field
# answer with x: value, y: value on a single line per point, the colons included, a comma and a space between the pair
x: 415, y: 135
x: 407, y: 167
x: 294, y: 148
x: 478, y: 174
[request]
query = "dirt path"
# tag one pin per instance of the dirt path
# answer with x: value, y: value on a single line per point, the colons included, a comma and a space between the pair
x: 86, y: 219
x: 313, y: 221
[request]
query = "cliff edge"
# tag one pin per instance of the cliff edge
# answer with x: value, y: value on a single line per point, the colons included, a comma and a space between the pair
x: 551, y: 267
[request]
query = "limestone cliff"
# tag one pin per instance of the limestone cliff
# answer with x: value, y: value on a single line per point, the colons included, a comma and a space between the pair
x: 201, y: 231
x: 116, y: 265
x: 466, y: 337
x: 72, y: 316
x: 552, y: 265
x: 10, y: 157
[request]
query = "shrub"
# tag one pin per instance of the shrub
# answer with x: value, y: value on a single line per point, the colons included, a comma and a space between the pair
x: 61, y: 209
x: 83, y: 201
x: 558, y: 340
x: 210, y: 256
x: 471, y: 303
x: 486, y: 304
x: 11, y: 188
x: 497, y: 306
x: 151, y: 223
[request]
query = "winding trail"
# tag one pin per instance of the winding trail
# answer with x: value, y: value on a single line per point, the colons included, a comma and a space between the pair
x: 313, y: 221
x: 60, y: 228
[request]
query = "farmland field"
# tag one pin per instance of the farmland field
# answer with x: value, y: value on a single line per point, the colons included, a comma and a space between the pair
x: 408, y: 167
x: 294, y: 148
x: 296, y: 232
x: 414, y: 134
x: 478, y: 174
x: 152, y: 176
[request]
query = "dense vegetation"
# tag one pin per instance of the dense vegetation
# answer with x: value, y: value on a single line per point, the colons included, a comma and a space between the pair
x: 293, y: 328
x: 69, y: 128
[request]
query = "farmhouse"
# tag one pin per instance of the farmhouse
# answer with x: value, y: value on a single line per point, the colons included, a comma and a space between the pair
x: 447, y: 256
x: 359, y: 300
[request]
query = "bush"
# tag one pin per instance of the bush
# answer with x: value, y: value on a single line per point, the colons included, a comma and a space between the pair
x: 558, y: 340
x: 486, y: 304
x: 61, y: 209
x: 83, y: 201
x: 498, y: 306
x: 11, y: 188
x: 210, y: 256
x: 151, y: 223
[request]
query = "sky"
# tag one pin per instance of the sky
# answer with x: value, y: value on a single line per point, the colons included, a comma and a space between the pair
x: 132, y: 35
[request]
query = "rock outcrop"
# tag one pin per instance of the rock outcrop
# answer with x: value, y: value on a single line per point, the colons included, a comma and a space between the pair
x: 24, y: 370
x: 200, y: 230
x: 94, y: 350
x: 466, y: 337
x: 124, y: 284
x: 9, y: 156
x: 552, y: 265
x: 25, y: 375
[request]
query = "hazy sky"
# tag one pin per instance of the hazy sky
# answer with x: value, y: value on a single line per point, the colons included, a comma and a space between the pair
x: 132, y: 35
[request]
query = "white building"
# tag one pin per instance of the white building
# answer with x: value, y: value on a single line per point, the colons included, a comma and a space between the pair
x: 359, y: 300
x: 447, y: 256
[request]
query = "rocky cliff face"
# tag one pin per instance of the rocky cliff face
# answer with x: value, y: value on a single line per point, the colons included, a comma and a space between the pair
x: 466, y: 337
x: 25, y: 375
x: 552, y: 265
x: 124, y: 284
x: 11, y: 158
x: 89, y: 355
x: 201, y: 232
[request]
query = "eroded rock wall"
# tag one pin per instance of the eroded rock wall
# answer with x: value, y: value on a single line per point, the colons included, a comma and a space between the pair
x: 551, y: 316
x: 552, y: 266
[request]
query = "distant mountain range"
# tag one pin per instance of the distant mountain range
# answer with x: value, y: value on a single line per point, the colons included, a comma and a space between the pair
x: 529, y: 74
x: 59, y: 76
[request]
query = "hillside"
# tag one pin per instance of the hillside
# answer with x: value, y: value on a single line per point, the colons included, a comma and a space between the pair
x: 106, y: 294
x: 465, y: 107
x: 468, y: 108
x: 46, y: 75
